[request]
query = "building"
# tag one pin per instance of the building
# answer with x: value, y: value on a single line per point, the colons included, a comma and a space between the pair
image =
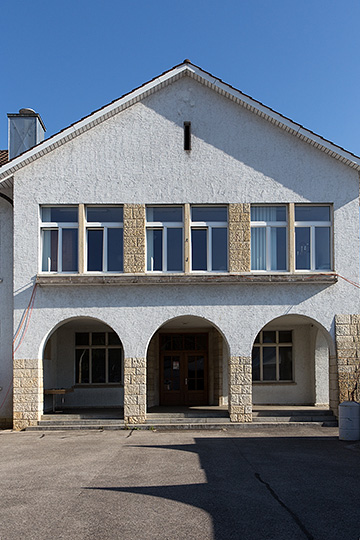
x: 183, y: 245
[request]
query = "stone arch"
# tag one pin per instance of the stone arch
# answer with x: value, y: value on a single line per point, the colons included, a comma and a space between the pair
x: 191, y: 328
x: 313, y: 363
x: 83, y: 355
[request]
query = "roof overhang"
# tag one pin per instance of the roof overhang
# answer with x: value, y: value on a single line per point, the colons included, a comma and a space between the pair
x: 185, y: 69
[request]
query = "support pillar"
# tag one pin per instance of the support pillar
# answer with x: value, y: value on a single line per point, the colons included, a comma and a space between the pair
x: 134, y: 390
x: 240, y: 389
x: 28, y: 397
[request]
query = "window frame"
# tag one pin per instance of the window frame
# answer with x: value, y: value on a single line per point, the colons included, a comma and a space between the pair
x: 313, y: 225
x: 101, y: 226
x: 59, y: 227
x: 92, y: 347
x: 268, y: 225
x: 277, y: 345
x: 208, y: 226
x: 164, y: 226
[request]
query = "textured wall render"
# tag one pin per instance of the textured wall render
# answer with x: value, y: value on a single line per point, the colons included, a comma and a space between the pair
x: 347, y: 330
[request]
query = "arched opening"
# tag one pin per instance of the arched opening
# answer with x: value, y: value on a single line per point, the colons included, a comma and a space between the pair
x: 83, y: 367
x: 187, y: 360
x: 291, y: 359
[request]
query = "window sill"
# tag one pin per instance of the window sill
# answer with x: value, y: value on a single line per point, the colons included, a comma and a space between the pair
x: 184, y: 279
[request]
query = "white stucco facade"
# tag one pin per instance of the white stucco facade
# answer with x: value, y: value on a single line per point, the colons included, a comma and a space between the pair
x: 137, y: 156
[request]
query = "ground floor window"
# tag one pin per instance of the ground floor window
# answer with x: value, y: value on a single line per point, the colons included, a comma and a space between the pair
x: 98, y: 358
x: 272, y: 356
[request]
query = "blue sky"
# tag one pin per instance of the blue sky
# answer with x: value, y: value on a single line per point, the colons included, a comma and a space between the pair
x: 67, y: 58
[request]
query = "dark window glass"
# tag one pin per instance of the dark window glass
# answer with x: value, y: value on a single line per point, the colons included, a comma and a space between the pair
x: 191, y: 366
x: 278, y: 248
x: 115, y: 250
x: 114, y: 359
x: 154, y: 247
x: 69, y: 250
x: 268, y: 213
x: 82, y: 366
x: 285, y: 363
x: 167, y: 214
x: 177, y: 342
x: 201, y: 342
x: 269, y: 363
x: 50, y: 251
x: 256, y: 363
x: 113, y: 339
x: 189, y: 344
x: 219, y: 249
x: 302, y: 248
x: 95, y: 250
x: 58, y: 214
x: 199, y: 249
x: 322, y: 248
x: 257, y: 339
x: 208, y: 214
x: 98, y: 338
x: 82, y: 338
x: 98, y: 369
x: 104, y: 214
x: 285, y: 336
x: 269, y: 336
x: 312, y: 213
x: 174, y: 250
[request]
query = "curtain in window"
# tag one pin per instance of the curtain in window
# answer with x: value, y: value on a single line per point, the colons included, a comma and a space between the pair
x: 258, y: 248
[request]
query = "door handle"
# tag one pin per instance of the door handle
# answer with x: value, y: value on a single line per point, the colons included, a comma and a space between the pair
x: 186, y: 381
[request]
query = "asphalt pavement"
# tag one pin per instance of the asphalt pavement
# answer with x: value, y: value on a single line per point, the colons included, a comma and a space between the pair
x: 284, y: 483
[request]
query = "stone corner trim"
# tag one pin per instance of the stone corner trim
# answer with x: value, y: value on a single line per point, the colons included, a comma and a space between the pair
x: 239, y: 237
x: 134, y: 238
x: 347, y: 336
x: 27, y: 393
x: 240, y: 389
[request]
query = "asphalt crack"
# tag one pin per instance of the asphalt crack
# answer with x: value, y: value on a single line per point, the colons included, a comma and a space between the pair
x: 294, y: 516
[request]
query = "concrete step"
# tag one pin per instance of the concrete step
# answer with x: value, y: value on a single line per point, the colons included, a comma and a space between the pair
x: 183, y: 426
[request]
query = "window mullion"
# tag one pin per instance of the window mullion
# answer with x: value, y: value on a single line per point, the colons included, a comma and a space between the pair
x: 261, y: 363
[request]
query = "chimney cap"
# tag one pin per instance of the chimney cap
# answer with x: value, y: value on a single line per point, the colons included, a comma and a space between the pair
x: 27, y: 112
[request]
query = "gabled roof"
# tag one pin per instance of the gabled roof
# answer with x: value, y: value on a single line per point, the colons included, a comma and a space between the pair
x: 184, y: 69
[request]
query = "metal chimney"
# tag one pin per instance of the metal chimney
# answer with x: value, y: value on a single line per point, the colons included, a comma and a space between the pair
x: 26, y: 130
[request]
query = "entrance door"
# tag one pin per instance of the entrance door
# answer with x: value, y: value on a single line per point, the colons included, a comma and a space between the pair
x: 183, y: 369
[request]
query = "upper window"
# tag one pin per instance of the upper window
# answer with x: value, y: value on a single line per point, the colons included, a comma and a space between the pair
x: 164, y: 239
x: 272, y: 356
x: 269, y: 238
x: 312, y: 237
x: 59, y: 238
x: 104, y: 230
x: 209, y: 238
